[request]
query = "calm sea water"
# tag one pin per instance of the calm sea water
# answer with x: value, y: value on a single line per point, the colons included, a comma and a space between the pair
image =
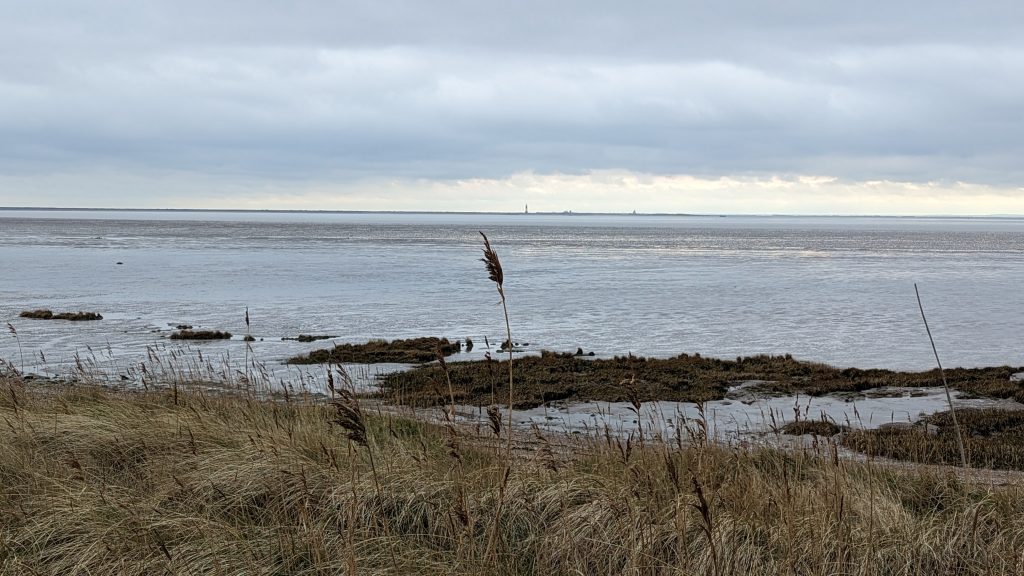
x: 835, y: 290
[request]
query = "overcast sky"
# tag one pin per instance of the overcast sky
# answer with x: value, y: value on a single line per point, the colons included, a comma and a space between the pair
x: 738, y: 107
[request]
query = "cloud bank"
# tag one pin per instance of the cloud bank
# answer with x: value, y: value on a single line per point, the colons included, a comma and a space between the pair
x: 685, y: 106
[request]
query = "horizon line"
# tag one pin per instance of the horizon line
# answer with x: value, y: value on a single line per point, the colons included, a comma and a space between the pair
x: 494, y: 213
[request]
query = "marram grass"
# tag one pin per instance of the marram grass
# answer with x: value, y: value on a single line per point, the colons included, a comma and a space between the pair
x: 94, y: 481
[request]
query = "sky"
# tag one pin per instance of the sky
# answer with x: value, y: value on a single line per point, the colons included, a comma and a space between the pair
x: 747, y: 106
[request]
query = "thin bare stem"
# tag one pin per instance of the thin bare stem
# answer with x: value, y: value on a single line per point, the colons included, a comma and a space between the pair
x: 945, y: 385
x: 508, y: 332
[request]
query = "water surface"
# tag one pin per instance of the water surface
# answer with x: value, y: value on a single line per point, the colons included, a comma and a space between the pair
x: 828, y: 289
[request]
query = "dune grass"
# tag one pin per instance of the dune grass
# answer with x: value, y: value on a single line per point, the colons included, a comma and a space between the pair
x: 95, y: 481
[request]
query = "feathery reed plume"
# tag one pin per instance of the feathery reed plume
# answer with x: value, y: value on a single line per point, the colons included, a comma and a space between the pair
x: 452, y: 441
x: 635, y: 404
x: 497, y: 275
x: 494, y: 417
x: 945, y: 385
x: 330, y: 381
x: 349, y: 416
x: 493, y: 263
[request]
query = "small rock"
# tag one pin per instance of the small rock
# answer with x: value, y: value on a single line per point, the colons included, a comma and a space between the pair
x: 120, y: 263
x: 1018, y: 377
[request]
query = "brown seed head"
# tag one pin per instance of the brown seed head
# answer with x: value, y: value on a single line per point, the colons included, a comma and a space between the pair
x: 494, y: 416
x: 349, y: 416
x: 492, y: 262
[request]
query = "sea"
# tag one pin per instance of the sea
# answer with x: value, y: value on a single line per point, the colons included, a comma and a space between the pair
x: 836, y: 290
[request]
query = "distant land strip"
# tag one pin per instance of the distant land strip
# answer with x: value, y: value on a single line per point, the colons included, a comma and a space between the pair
x: 478, y: 213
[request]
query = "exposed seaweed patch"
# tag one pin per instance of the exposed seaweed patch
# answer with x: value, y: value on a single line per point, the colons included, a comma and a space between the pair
x: 45, y: 314
x: 413, y: 350
x: 200, y: 335
x: 308, y: 338
x: 684, y: 378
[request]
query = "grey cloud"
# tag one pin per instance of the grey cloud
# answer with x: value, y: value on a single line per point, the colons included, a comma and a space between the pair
x: 912, y: 91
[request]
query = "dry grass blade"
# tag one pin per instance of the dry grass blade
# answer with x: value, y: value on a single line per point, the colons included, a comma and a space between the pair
x: 707, y: 522
x: 544, y: 451
x: 452, y: 442
x: 447, y: 378
x: 945, y: 385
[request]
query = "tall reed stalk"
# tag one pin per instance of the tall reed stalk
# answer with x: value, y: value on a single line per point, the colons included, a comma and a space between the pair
x: 945, y: 385
x: 496, y: 275
x: 14, y: 332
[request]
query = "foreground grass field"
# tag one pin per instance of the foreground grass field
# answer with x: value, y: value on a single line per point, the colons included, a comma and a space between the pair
x: 94, y: 481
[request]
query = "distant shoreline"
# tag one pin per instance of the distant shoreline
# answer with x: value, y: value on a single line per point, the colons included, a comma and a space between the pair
x: 476, y: 213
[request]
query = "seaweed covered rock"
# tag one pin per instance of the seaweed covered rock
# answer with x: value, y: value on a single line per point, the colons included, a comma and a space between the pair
x: 409, y: 351
x: 46, y: 314
x: 200, y: 335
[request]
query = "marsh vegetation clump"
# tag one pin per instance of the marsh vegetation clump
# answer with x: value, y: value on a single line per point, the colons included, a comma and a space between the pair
x: 200, y: 335
x: 46, y: 314
x: 993, y: 438
x: 407, y: 351
x: 811, y: 427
